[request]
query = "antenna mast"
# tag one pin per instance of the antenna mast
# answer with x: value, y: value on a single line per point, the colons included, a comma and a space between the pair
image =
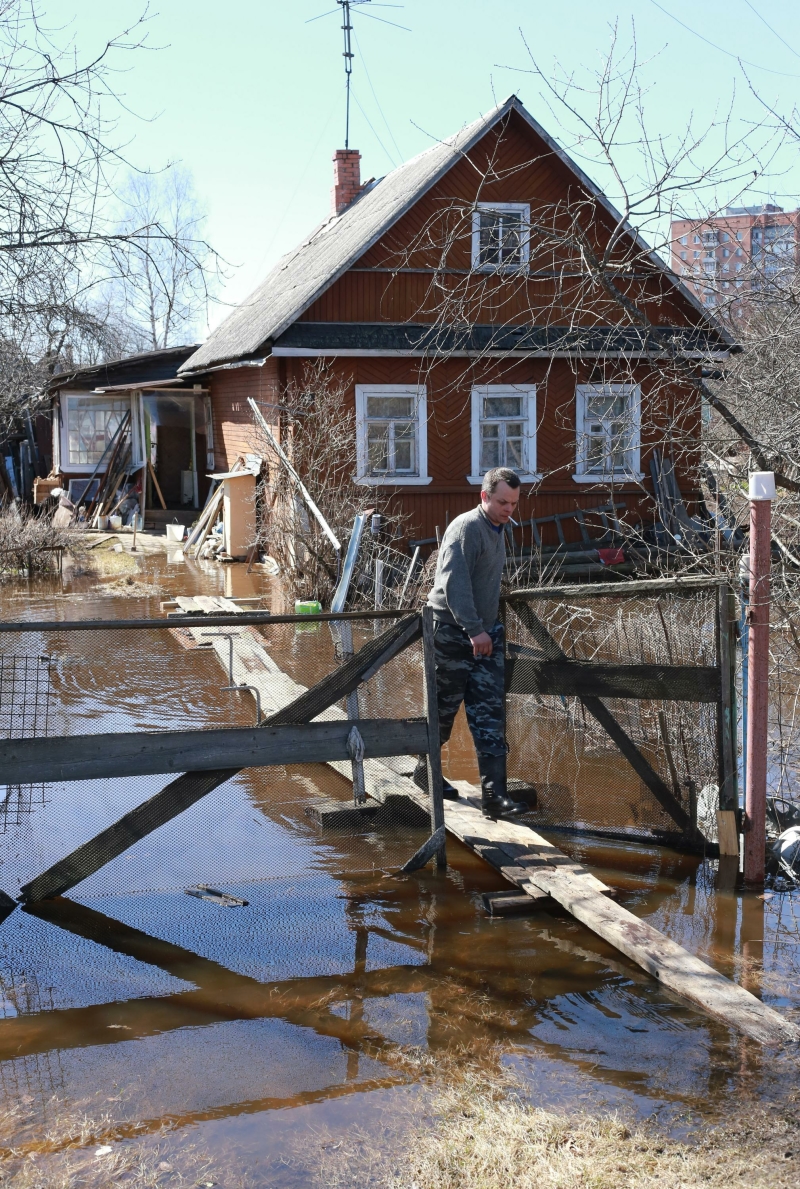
x: 347, y: 29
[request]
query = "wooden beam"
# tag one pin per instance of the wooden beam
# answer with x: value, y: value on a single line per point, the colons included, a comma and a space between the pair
x: 435, y: 783
x: 625, y: 590
x: 640, y: 764
x: 189, y: 788
x: 94, y: 757
x: 668, y: 962
x: 682, y: 683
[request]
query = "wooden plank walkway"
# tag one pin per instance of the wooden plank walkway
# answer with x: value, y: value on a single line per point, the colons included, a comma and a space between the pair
x: 527, y: 860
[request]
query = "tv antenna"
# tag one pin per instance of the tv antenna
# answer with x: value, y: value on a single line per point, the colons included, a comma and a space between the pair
x: 347, y: 28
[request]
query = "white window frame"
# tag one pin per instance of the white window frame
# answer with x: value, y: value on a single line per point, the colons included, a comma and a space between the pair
x: 420, y: 394
x: 82, y: 468
x: 530, y: 475
x: 525, y: 208
x: 633, y: 472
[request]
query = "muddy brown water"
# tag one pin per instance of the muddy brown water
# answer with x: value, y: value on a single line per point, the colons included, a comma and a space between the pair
x: 317, y: 1007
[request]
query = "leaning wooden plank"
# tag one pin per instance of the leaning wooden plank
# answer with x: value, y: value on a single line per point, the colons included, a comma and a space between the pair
x: 94, y: 757
x: 668, y: 962
x: 683, y: 683
x: 640, y: 764
x: 539, y: 866
x: 190, y: 787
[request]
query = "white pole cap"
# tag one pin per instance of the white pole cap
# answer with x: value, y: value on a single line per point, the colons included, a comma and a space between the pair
x: 762, y: 485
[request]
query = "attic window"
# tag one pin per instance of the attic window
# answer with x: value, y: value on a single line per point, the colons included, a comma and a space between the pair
x: 500, y: 235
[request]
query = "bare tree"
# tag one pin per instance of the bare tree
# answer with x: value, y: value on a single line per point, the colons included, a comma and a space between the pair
x: 59, y: 164
x: 318, y: 430
x: 166, y: 284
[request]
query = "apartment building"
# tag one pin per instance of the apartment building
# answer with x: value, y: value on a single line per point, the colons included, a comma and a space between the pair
x: 736, y: 251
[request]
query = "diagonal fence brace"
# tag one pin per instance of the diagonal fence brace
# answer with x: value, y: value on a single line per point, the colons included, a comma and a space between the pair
x: 640, y: 764
x: 191, y: 787
x: 425, y: 853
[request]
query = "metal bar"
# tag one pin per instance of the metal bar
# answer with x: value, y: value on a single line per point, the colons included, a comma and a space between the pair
x: 411, y: 568
x: 326, y: 528
x: 148, y: 753
x: 353, y: 546
x: 194, y: 621
x: 434, y: 748
x: 758, y: 692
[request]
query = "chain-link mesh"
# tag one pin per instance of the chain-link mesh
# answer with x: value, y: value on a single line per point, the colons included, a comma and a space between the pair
x: 557, y: 745
x: 289, y: 823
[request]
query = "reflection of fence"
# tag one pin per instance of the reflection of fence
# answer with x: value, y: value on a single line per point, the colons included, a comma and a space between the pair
x: 644, y: 669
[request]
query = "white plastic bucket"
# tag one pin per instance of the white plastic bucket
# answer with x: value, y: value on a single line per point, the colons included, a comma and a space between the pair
x: 175, y: 532
x: 115, y: 521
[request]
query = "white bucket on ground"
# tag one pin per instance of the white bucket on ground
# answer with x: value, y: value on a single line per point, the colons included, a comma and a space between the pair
x: 115, y: 521
x: 175, y: 532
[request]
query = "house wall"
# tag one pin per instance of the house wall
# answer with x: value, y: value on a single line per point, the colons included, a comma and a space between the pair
x: 448, y: 387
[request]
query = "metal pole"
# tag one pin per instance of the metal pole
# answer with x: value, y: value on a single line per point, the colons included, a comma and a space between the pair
x: 762, y: 492
x: 434, y: 745
x: 744, y: 581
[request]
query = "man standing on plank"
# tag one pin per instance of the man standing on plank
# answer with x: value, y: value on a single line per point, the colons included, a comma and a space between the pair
x: 469, y: 639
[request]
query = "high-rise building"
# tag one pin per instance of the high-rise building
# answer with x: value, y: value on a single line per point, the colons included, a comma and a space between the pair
x: 735, y: 252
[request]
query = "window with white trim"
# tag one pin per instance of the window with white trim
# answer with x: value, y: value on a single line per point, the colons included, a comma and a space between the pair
x: 501, y: 235
x: 608, y: 431
x: 90, y: 423
x: 504, y: 430
x: 391, y: 423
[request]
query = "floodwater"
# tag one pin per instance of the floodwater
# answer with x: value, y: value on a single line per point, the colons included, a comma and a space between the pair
x: 259, y: 1034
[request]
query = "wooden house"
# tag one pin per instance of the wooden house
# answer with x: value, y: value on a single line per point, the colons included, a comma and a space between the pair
x: 449, y: 298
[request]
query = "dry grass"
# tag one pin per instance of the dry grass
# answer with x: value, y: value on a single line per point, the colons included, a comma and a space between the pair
x: 76, y: 1150
x: 27, y: 542
x: 485, y: 1136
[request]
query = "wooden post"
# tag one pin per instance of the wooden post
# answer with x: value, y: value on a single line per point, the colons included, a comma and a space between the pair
x: 762, y: 492
x: 434, y: 746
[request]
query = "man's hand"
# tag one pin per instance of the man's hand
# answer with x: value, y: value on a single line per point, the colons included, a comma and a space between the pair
x: 481, y: 644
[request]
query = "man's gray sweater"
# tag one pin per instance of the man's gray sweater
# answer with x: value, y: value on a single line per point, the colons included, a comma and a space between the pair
x: 466, y: 589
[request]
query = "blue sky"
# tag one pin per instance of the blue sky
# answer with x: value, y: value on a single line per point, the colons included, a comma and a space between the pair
x: 250, y: 96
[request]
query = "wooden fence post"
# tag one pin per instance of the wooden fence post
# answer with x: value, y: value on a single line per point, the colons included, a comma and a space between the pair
x: 762, y: 492
x: 434, y: 747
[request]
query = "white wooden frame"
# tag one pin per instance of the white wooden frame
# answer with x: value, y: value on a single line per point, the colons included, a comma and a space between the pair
x: 420, y: 394
x: 633, y: 472
x: 530, y: 475
x: 61, y: 430
x: 476, y: 235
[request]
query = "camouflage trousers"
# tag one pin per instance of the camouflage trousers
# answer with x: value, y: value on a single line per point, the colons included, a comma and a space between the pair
x: 477, y: 681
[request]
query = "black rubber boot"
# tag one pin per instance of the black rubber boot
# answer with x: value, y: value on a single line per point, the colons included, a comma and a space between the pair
x: 495, y: 801
x: 420, y: 778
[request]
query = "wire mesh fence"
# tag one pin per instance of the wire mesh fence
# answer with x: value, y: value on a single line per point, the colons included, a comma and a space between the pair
x: 557, y: 744
x: 294, y: 821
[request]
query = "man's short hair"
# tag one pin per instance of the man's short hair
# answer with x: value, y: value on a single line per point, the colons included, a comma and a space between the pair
x: 497, y: 475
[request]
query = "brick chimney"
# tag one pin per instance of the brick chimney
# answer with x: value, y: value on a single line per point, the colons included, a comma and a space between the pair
x: 346, y: 178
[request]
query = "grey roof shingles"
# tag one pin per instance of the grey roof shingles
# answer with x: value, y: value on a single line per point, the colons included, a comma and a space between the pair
x: 303, y: 274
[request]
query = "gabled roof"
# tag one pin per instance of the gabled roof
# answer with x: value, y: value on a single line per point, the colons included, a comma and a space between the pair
x: 303, y: 274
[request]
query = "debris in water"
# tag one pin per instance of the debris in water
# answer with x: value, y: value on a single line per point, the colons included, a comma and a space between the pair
x: 104, y: 1151
x: 203, y: 892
